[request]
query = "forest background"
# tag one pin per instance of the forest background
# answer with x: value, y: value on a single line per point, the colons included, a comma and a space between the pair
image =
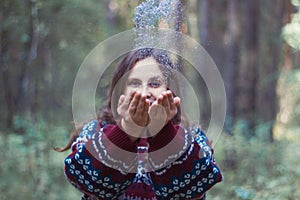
x: 254, y: 43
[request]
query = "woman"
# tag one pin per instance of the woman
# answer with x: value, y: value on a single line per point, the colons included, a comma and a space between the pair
x: 137, y: 149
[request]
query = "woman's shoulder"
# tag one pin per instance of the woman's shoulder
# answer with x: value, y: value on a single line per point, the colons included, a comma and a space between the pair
x: 197, y: 133
x: 90, y: 125
x: 88, y: 128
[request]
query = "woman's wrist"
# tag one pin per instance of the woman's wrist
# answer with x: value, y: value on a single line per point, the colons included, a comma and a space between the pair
x: 133, y: 130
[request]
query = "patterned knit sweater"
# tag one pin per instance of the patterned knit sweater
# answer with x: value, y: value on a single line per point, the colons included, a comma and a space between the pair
x: 104, y: 163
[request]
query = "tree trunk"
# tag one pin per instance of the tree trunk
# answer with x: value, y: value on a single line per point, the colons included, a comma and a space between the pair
x: 6, y: 76
x: 267, y: 105
x: 232, y: 60
x: 27, y: 99
x: 204, y: 23
x: 110, y: 18
x: 34, y: 21
x: 205, y: 33
x: 270, y: 94
x: 246, y: 96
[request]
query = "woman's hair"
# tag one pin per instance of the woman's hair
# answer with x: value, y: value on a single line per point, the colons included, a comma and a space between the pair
x: 106, y: 115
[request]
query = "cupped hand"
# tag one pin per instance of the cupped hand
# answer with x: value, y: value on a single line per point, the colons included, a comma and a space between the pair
x: 136, y: 113
x: 169, y: 103
x: 162, y: 111
x: 134, y: 108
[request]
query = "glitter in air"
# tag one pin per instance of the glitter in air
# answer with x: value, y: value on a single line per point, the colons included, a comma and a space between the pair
x: 147, y: 17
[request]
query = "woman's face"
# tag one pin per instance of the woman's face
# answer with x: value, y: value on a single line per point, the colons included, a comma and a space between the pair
x: 146, y: 78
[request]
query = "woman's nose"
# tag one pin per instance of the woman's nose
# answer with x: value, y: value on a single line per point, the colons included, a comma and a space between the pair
x: 144, y: 89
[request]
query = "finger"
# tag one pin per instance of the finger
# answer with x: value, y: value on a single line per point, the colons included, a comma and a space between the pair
x: 141, y: 116
x: 121, y: 105
x: 127, y: 99
x: 165, y: 101
x: 176, y: 101
x: 147, y: 106
x: 141, y: 105
x: 159, y: 100
x: 134, y: 103
x: 144, y: 107
x: 121, y: 100
x: 171, y: 100
x: 130, y: 97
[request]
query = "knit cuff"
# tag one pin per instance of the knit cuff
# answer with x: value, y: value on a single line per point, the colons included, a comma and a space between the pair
x: 118, y: 137
x: 163, y: 138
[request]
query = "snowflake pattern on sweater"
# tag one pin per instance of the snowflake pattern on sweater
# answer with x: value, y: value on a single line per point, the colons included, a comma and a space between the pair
x: 98, y: 173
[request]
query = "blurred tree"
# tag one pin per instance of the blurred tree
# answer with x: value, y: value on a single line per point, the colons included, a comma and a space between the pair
x: 26, y: 95
x: 271, y: 44
x: 42, y: 46
x: 247, y: 70
x: 206, y: 38
x: 44, y: 42
x: 232, y: 60
x: 7, y: 87
x: 244, y: 41
x: 211, y: 22
x: 13, y: 21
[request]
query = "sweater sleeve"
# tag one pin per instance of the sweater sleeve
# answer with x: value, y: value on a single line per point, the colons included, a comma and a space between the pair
x: 186, y: 175
x: 86, y: 168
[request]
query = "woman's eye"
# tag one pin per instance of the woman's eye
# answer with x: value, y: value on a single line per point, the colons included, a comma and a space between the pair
x: 154, y: 84
x: 134, y: 84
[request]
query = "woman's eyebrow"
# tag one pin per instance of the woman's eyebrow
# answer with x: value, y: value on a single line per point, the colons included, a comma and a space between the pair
x: 133, y: 79
x: 156, y: 78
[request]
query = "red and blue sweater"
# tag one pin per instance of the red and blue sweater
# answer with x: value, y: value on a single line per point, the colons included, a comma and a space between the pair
x: 104, y: 163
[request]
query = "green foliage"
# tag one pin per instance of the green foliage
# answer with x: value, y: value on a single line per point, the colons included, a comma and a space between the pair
x: 291, y: 31
x: 255, y: 169
x: 30, y: 168
x: 67, y: 31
